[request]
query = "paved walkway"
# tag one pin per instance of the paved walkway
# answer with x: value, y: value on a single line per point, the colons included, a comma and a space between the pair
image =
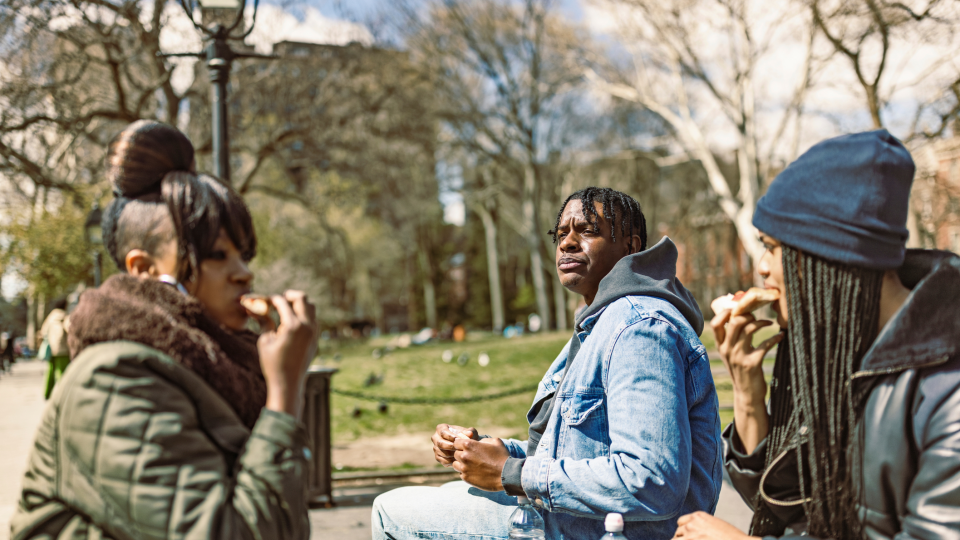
x: 21, y: 407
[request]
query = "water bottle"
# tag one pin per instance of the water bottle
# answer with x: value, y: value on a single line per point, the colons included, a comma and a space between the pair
x: 614, y: 526
x: 525, y: 522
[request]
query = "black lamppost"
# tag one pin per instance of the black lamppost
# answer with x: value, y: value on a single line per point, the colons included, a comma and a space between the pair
x: 94, y: 235
x: 220, y: 58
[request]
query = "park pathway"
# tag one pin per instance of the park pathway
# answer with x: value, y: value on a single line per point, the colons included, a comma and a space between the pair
x: 21, y: 407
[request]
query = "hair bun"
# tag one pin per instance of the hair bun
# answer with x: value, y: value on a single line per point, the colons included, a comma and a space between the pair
x: 143, y: 153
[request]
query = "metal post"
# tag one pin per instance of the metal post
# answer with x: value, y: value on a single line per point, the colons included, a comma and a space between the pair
x: 316, y: 417
x: 96, y: 268
x: 219, y: 60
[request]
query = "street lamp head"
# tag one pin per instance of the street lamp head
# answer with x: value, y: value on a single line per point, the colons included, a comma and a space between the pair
x: 221, y: 4
x: 92, y: 228
x: 220, y: 19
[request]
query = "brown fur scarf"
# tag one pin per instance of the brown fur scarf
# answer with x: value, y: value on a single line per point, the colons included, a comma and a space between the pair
x: 158, y: 315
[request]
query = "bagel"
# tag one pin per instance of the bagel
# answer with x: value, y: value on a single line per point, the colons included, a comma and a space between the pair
x: 256, y: 304
x: 745, y: 301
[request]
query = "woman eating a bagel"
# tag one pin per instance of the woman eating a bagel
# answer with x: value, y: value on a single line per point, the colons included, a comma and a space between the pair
x: 173, y: 420
x: 861, y: 435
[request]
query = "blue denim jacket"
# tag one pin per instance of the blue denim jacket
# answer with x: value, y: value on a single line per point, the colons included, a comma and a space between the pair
x: 634, y: 429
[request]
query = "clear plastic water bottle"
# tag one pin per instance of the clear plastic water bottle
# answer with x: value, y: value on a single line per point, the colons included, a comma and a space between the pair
x: 614, y: 526
x: 525, y: 522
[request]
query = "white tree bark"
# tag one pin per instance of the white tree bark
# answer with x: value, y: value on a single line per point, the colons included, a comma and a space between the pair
x: 533, y: 241
x: 740, y: 212
x: 429, y: 291
x: 673, y: 66
x: 493, y: 266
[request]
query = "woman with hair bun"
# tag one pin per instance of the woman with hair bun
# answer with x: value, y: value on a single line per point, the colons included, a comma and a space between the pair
x: 173, y: 420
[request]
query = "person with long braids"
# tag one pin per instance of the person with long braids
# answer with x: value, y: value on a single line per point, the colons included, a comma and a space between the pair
x: 862, y: 435
x: 172, y: 420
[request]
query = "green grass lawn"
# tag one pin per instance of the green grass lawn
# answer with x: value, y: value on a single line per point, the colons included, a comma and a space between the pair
x: 420, y: 372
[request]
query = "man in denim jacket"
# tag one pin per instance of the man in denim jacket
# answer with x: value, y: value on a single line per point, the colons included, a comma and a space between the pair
x: 625, y: 420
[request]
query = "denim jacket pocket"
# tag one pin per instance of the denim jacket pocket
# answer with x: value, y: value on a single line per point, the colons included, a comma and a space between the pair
x: 579, y: 407
x: 583, y: 429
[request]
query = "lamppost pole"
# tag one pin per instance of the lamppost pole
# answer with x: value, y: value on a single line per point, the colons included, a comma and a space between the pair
x: 220, y: 57
x: 219, y: 61
x: 94, y: 235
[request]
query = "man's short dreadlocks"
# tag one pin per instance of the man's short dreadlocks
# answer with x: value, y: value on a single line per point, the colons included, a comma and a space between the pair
x: 615, y: 205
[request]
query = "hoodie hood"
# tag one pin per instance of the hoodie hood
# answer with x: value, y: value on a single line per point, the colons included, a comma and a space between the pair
x: 649, y: 273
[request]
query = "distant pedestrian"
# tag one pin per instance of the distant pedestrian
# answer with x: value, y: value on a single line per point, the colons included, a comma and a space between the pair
x: 54, y: 334
x: 172, y: 420
x: 8, y: 355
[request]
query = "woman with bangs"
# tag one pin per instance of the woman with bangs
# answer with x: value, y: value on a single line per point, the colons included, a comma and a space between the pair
x: 173, y: 420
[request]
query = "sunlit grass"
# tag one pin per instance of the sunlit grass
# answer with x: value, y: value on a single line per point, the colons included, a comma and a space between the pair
x: 419, y: 371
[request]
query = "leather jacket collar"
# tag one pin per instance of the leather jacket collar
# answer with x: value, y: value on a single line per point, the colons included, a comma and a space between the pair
x: 926, y: 330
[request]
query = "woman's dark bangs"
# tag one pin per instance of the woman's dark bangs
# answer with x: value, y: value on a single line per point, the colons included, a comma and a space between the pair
x: 236, y: 220
x: 233, y: 216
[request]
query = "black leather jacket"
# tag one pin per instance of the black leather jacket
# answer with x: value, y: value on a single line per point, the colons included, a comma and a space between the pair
x: 910, y: 380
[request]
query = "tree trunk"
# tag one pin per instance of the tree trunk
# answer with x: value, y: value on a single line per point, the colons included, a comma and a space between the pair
x: 413, y: 322
x: 748, y: 161
x: 740, y: 214
x: 560, y: 304
x: 493, y: 267
x: 32, y: 319
x: 533, y: 242
x: 873, y: 104
x: 429, y: 291
x: 41, y: 312
x: 915, y: 237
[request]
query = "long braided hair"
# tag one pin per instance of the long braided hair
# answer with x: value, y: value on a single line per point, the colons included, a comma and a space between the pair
x: 833, y: 316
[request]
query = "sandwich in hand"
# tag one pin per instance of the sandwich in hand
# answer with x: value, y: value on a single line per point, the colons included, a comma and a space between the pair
x: 256, y: 304
x: 745, y: 301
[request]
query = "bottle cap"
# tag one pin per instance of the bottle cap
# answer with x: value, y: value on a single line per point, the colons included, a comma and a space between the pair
x: 522, y: 500
x: 614, y: 522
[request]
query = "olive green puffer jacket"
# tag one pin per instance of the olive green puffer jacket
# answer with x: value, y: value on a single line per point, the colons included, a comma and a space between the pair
x: 135, y: 446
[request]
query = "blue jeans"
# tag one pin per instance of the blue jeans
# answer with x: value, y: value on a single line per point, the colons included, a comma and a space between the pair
x: 453, y: 511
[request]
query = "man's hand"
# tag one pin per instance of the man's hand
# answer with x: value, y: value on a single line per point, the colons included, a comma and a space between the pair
x: 443, y: 441
x: 703, y: 526
x: 480, y: 463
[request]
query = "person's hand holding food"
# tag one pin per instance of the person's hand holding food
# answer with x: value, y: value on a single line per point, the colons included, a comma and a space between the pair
x: 734, y: 326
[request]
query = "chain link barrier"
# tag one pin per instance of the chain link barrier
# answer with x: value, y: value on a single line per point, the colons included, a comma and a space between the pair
x: 434, y: 401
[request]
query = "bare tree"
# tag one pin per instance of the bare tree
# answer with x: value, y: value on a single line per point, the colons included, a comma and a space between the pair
x: 866, y: 33
x: 692, y: 58
x: 76, y: 70
x: 345, y: 124
x: 73, y: 72
x: 334, y: 127
x: 482, y: 201
x: 502, y: 69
